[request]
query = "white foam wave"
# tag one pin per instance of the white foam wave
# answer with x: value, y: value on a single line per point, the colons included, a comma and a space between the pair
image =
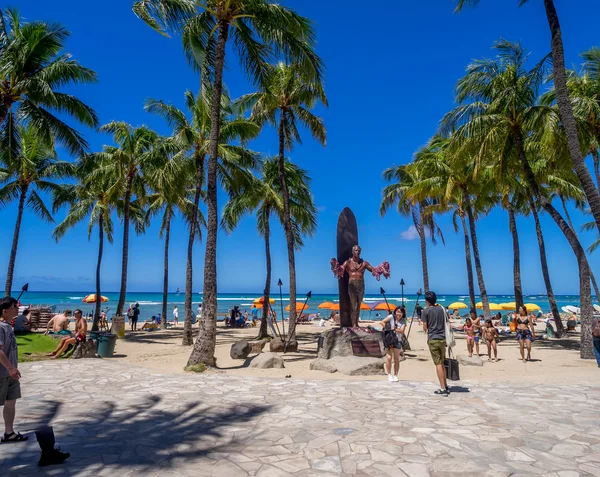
x: 75, y: 297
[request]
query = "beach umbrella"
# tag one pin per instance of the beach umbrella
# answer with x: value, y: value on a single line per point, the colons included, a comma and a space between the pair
x: 509, y: 306
x: 299, y: 307
x: 382, y: 306
x: 532, y: 307
x: 458, y: 305
x: 257, y: 305
x: 335, y: 307
x: 92, y: 299
x: 326, y: 304
x: 262, y: 300
x: 364, y: 306
x: 496, y: 307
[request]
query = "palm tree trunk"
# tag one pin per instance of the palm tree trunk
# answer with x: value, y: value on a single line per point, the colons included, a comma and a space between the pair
x: 585, y: 295
x: 287, y: 226
x: 421, y: 230
x: 478, y: 270
x: 163, y: 318
x: 125, y: 259
x: 188, y: 338
x: 596, y: 166
x: 13, y: 251
x: 564, y: 204
x: 263, y: 333
x: 468, y: 258
x: 204, y: 348
x: 516, y: 256
x: 98, y: 266
x: 566, y: 112
x: 560, y: 329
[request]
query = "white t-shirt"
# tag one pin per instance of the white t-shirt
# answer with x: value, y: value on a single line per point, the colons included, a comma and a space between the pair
x: 393, y: 323
x: 176, y: 313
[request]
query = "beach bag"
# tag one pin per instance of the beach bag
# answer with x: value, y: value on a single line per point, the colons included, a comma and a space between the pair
x: 405, y: 343
x: 130, y: 313
x: 390, y: 338
x: 451, y: 365
x: 450, y: 341
x: 596, y: 329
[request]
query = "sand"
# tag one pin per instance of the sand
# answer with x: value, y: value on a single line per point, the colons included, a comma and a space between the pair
x: 553, y: 361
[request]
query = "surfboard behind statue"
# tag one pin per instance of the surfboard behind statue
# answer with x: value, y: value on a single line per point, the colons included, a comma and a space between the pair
x: 347, y: 237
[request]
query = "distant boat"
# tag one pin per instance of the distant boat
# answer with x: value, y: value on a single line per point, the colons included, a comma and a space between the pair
x: 178, y: 291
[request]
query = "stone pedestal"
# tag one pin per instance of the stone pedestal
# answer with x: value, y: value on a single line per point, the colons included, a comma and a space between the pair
x: 347, y: 342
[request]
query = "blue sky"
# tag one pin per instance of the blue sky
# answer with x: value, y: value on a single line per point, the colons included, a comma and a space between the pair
x: 391, y: 70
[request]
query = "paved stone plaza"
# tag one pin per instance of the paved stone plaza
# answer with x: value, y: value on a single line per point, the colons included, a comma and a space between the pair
x: 119, y: 421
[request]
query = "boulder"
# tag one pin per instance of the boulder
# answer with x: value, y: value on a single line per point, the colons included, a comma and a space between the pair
x: 472, y: 361
x: 338, y: 342
x: 240, y: 350
x: 257, y: 346
x: 276, y: 346
x: 266, y: 361
x: 85, y: 350
x: 350, y: 365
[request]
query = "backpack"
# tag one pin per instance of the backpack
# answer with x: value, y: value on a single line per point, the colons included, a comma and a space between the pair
x: 130, y: 313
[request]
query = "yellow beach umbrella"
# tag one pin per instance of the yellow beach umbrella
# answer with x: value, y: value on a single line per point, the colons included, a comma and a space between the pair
x: 495, y: 307
x: 532, y: 307
x: 262, y: 300
x: 326, y: 304
x: 478, y: 305
x: 509, y: 306
x: 459, y: 305
x: 92, y: 299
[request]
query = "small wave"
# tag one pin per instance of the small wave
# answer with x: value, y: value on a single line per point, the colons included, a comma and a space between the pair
x: 75, y: 297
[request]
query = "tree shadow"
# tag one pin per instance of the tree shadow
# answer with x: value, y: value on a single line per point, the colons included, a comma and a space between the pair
x: 151, y: 436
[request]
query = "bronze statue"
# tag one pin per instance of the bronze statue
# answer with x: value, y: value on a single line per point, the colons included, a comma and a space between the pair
x: 356, y: 267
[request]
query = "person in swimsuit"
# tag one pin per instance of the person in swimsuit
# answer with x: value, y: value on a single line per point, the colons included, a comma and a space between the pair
x: 78, y: 337
x: 395, y: 321
x: 491, y: 334
x: 525, y: 333
x: 469, y: 330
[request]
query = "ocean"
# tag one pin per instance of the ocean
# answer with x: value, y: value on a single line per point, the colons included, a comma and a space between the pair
x: 151, y: 303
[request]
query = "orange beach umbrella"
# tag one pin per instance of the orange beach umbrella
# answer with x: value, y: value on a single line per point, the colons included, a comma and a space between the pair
x: 326, y: 304
x: 92, y: 299
x: 383, y: 306
x: 335, y: 307
x: 364, y: 306
x: 299, y: 306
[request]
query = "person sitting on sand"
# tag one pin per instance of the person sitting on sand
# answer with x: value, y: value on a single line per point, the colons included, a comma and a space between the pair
x: 59, y: 324
x: 469, y: 329
x: 525, y: 333
x: 22, y: 323
x: 491, y: 334
x: 78, y: 337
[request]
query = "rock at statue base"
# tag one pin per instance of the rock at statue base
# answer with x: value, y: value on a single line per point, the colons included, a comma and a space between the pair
x: 350, y: 342
x: 240, y: 350
x: 267, y: 361
x: 350, y: 365
x: 257, y: 345
x: 472, y: 361
x: 85, y: 350
x: 276, y: 346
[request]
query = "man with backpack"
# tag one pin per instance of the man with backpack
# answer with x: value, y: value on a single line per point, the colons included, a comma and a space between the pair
x: 434, y: 324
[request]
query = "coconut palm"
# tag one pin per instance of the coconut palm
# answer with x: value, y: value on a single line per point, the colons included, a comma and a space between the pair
x: 264, y: 197
x: 33, y: 67
x: 27, y: 170
x: 498, y: 114
x: 125, y: 164
x: 191, y: 133
x: 285, y: 99
x: 260, y: 30
x: 564, y: 105
x: 401, y: 194
x: 87, y: 199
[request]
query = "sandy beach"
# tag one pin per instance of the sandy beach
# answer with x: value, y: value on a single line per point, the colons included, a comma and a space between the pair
x: 553, y: 360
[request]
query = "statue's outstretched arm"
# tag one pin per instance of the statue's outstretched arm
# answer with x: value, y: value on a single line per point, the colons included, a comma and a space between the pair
x: 337, y: 269
x: 383, y: 269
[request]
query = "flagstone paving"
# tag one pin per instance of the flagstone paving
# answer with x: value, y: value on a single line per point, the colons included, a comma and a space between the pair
x: 121, y: 421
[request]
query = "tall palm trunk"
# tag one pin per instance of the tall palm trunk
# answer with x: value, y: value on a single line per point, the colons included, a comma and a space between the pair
x: 596, y: 167
x: 585, y: 295
x: 287, y: 226
x: 98, y: 266
x: 189, y: 270
x: 421, y: 230
x: 566, y: 112
x: 468, y: 259
x: 564, y: 205
x: 15, y: 244
x: 125, y: 258
x: 263, y: 333
x: 478, y: 270
x: 560, y: 329
x: 204, y: 348
x: 516, y: 256
x: 163, y: 319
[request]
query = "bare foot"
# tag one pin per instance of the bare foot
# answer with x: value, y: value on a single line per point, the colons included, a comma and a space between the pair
x: 50, y: 354
x: 495, y: 360
x: 55, y: 357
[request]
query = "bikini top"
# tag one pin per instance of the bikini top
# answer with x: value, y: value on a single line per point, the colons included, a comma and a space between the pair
x: 469, y: 328
x: 523, y: 322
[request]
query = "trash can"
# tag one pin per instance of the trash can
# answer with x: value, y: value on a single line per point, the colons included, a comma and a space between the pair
x: 106, y: 344
x: 94, y: 335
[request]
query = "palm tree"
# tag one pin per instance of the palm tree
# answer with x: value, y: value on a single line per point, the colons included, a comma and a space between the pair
x: 191, y: 133
x: 564, y: 105
x: 28, y: 169
x: 126, y: 164
x: 401, y: 194
x: 259, y: 30
x: 33, y: 67
x: 285, y: 99
x: 91, y: 199
x: 265, y: 198
x: 169, y: 180
x: 499, y: 112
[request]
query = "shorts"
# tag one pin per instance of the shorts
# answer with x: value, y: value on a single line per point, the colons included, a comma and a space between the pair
x: 524, y: 335
x: 437, y: 348
x: 476, y: 338
x: 10, y: 389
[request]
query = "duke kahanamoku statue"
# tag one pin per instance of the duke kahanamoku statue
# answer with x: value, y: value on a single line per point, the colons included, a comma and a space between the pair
x: 356, y: 267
